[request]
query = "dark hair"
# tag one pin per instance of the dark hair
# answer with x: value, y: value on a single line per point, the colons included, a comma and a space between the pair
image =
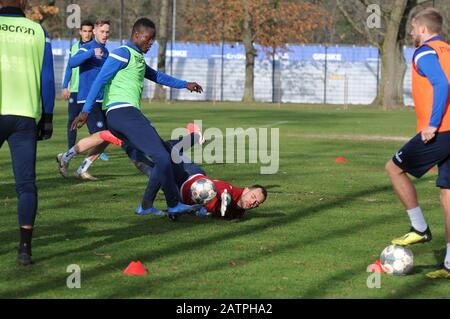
x: 101, y: 22
x: 263, y: 190
x: 143, y: 23
x: 86, y: 23
x: 431, y: 18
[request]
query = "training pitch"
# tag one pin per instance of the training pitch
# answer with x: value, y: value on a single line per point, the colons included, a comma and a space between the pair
x: 323, y: 223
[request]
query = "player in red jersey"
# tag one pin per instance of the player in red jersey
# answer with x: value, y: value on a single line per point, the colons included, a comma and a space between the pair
x: 230, y: 201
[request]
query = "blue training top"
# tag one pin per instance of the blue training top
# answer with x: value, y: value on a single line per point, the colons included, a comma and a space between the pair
x: 90, y: 67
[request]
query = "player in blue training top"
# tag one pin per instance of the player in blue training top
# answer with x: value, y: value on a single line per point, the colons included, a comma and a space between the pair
x: 71, y: 81
x: 123, y: 75
x: 90, y: 59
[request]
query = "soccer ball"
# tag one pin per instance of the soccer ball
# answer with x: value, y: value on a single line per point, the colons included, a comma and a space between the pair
x: 203, y: 191
x: 397, y: 260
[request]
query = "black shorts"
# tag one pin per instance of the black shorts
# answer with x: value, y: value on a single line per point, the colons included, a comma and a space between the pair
x: 417, y: 158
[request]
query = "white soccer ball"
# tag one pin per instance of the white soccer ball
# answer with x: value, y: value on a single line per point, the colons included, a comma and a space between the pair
x: 397, y: 260
x: 203, y: 191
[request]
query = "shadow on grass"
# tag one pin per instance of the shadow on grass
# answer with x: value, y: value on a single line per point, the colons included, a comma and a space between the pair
x: 123, y: 234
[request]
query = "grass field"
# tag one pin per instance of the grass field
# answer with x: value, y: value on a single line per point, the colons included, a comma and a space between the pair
x: 322, y: 225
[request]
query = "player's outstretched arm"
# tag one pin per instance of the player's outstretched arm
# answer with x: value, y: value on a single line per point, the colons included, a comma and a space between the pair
x: 167, y: 80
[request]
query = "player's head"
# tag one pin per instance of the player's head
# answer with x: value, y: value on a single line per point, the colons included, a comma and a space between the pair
x: 143, y: 34
x: 86, y: 31
x: 425, y: 24
x: 252, y: 197
x: 101, y: 31
x: 14, y: 3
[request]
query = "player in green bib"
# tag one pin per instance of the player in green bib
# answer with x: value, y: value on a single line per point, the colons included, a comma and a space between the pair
x: 27, y: 95
x: 123, y: 77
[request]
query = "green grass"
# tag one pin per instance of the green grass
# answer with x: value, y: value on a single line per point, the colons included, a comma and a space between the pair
x: 322, y: 225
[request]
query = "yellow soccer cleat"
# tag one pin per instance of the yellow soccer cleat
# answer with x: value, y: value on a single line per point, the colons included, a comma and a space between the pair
x: 413, y: 237
x: 443, y: 273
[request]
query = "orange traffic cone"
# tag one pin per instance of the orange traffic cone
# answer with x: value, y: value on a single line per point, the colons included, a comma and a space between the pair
x: 135, y: 268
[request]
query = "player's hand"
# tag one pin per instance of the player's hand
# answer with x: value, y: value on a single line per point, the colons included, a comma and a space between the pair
x: 79, y: 121
x: 194, y: 87
x: 428, y: 134
x: 45, y: 127
x: 65, y: 94
x: 98, y: 53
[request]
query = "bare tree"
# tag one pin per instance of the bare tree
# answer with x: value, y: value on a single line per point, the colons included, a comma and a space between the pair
x: 163, y: 34
x: 389, y: 39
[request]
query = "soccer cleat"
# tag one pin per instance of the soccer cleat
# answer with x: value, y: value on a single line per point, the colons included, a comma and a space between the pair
x: 24, y: 259
x: 63, y: 166
x: 202, y: 212
x: 414, y: 237
x: 151, y: 210
x: 443, y: 273
x: 104, y: 157
x: 181, y: 208
x: 85, y: 176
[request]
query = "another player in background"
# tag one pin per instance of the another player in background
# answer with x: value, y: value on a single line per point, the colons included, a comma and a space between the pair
x: 71, y: 81
x: 90, y: 59
x: 431, y: 146
x: 123, y: 75
x: 31, y: 65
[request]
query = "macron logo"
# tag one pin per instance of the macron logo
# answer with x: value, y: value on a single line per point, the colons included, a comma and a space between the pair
x: 397, y: 156
x: 17, y: 29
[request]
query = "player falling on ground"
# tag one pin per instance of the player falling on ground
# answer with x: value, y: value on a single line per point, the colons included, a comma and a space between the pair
x: 431, y: 71
x: 230, y: 202
x: 123, y: 75
x: 90, y: 59
x: 71, y: 81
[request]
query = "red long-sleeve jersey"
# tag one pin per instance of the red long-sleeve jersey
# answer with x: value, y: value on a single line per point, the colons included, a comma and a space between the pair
x: 213, y: 207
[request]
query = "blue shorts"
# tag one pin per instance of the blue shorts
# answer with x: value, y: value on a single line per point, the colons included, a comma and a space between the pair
x: 96, y: 120
x: 417, y: 158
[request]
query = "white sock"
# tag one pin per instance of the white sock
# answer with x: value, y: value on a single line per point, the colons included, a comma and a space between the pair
x: 69, y: 155
x: 84, y: 166
x: 447, y: 257
x: 417, y: 219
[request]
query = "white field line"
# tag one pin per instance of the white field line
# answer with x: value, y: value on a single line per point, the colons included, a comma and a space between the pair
x: 349, y: 137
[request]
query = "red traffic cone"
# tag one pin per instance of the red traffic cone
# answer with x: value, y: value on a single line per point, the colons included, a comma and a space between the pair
x: 376, y: 267
x: 341, y: 159
x: 135, y: 268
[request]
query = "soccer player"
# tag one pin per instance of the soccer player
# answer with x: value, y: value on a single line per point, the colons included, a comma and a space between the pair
x: 71, y: 81
x: 90, y: 59
x: 27, y: 94
x: 431, y: 146
x: 123, y: 75
x: 231, y: 202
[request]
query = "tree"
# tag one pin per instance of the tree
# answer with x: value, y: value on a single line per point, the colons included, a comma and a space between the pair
x: 163, y: 35
x: 389, y: 39
x: 41, y: 10
x: 271, y: 23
